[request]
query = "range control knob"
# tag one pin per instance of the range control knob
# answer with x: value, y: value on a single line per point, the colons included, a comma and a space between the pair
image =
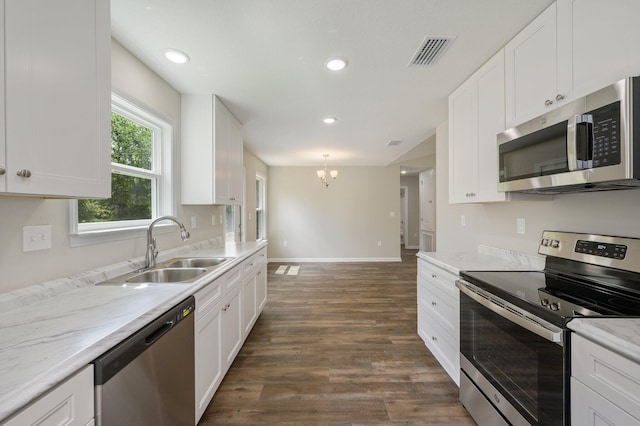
x: 544, y: 302
x: 555, y: 243
x: 554, y: 306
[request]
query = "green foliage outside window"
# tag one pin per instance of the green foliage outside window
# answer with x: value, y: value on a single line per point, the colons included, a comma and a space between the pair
x: 131, y: 145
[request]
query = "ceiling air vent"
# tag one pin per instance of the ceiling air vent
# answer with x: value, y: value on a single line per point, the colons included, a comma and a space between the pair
x: 431, y: 50
x: 394, y: 143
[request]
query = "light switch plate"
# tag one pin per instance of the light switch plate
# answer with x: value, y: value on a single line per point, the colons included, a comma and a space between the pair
x: 520, y: 225
x: 36, y: 238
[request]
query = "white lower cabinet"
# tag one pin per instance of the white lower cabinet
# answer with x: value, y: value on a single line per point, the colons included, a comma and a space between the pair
x: 438, y: 315
x: 226, y: 311
x: 70, y: 404
x: 605, y: 386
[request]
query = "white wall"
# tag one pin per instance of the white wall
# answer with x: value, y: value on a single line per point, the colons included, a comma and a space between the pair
x: 19, y: 269
x: 343, y: 222
x: 609, y: 213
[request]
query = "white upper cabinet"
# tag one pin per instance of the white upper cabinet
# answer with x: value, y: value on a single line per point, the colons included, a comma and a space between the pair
x: 56, y: 102
x: 211, y: 152
x: 573, y: 48
x: 476, y: 116
x: 531, y: 84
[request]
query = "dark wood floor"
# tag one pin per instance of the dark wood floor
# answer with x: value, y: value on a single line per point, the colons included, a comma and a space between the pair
x: 337, y: 344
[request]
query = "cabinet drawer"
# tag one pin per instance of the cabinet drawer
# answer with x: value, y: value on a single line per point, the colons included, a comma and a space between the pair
x: 207, y: 297
x: 442, y: 308
x: 589, y: 408
x: 252, y: 264
x: 435, y: 275
x: 232, y: 278
x: 443, y: 347
x: 70, y: 403
x: 613, y: 376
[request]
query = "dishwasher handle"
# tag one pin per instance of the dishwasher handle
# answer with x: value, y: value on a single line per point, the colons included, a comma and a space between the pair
x: 161, y: 331
x: 111, y: 362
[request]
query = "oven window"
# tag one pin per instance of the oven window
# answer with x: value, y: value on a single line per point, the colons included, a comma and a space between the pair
x: 525, y: 368
x: 538, y: 154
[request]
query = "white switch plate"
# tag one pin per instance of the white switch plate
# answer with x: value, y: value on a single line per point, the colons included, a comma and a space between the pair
x: 379, y: 243
x: 463, y: 220
x: 520, y: 225
x: 284, y: 244
x: 36, y: 238
x: 392, y: 214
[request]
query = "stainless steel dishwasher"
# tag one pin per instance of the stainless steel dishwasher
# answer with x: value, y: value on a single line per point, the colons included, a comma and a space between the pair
x: 148, y: 379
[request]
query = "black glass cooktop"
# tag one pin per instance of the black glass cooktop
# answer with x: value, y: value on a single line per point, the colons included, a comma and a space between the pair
x: 558, y: 296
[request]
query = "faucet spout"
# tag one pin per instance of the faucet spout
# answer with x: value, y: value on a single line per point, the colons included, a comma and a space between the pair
x: 152, y: 252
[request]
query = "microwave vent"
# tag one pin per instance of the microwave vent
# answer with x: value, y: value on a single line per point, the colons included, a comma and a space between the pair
x: 431, y: 50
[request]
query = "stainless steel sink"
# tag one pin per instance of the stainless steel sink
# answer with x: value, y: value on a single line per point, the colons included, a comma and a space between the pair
x: 167, y: 275
x: 196, y: 262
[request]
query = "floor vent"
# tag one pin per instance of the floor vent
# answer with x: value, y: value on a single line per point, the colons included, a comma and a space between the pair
x: 431, y: 50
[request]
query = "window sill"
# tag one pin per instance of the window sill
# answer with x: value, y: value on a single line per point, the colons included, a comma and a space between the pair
x: 116, y: 234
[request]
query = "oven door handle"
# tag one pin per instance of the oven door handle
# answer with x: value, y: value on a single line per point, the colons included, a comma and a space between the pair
x: 549, y: 333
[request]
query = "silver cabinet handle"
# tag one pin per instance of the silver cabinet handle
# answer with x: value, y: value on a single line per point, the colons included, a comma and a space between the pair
x: 2, y: 171
x: 434, y: 338
x: 434, y: 303
x: 24, y: 173
x: 559, y: 97
x: 548, y: 102
x: 470, y: 194
x: 434, y: 276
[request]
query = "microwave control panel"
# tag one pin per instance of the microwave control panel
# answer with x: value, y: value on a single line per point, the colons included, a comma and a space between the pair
x: 606, y: 135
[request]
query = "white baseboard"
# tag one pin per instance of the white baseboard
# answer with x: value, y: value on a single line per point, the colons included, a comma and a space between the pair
x: 333, y: 260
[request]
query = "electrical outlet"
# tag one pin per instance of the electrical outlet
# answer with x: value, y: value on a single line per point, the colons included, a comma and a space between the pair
x: 520, y: 225
x: 379, y: 243
x: 284, y: 244
x: 463, y: 220
x: 194, y: 222
x: 392, y: 214
x: 213, y: 220
x: 36, y: 238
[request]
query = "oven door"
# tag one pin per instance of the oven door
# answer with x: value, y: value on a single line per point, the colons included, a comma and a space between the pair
x: 512, y: 363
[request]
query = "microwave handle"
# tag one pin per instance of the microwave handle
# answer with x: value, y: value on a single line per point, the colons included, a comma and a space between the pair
x: 583, y: 141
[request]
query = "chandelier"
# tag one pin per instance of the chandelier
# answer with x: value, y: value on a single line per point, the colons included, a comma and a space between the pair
x: 324, y: 173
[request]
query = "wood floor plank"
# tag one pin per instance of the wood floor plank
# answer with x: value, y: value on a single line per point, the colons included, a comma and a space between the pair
x: 337, y: 345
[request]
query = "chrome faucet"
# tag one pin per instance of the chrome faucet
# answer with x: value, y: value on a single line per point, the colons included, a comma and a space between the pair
x: 152, y: 252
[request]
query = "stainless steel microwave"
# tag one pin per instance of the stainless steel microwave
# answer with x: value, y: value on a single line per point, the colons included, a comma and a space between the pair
x: 586, y: 145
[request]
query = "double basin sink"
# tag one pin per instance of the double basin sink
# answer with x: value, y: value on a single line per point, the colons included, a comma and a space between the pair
x: 173, y: 271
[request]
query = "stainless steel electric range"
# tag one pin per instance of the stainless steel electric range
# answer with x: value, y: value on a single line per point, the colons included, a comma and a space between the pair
x: 514, y: 339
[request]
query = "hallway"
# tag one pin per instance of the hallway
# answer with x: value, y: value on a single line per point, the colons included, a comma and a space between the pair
x: 337, y: 344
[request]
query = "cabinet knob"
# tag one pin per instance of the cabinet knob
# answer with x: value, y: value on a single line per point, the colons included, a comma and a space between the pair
x: 548, y: 102
x: 559, y: 97
x: 24, y: 173
x: 2, y: 171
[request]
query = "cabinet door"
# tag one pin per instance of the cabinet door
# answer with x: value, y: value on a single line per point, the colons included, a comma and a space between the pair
x: 231, y: 327
x: 261, y: 289
x: 249, y: 308
x: 463, y: 143
x: 491, y: 110
x: 531, y: 69
x: 58, y: 100
x: 221, y: 153
x: 208, y: 357
x: 235, y: 169
x: 593, y: 44
x: 590, y: 408
x: 70, y: 403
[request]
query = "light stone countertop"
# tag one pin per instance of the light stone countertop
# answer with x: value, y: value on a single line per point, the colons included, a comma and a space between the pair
x: 51, y: 330
x: 485, y: 259
x: 621, y: 335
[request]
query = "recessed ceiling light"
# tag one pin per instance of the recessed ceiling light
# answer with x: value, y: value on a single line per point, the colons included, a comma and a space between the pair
x: 403, y: 172
x: 336, y: 64
x: 176, y: 56
x: 330, y: 120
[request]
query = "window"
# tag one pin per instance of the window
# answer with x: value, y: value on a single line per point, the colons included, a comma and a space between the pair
x: 261, y: 232
x: 141, y: 148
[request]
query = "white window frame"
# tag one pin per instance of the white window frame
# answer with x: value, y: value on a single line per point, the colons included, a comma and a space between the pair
x: 161, y: 177
x: 261, y: 205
